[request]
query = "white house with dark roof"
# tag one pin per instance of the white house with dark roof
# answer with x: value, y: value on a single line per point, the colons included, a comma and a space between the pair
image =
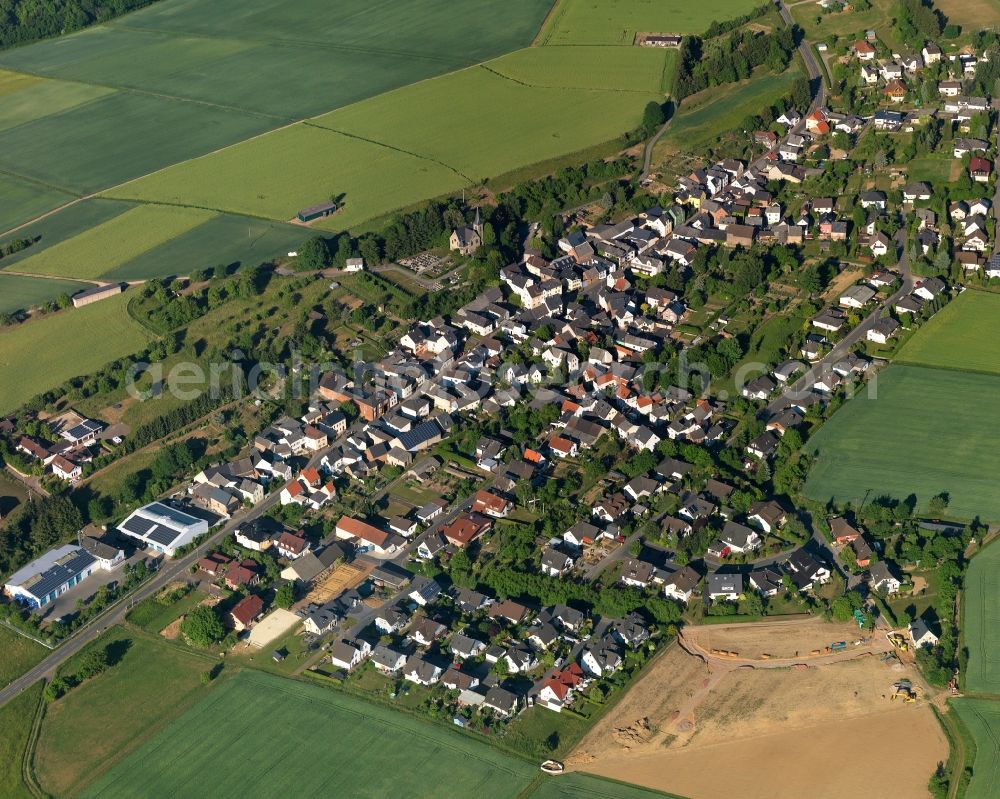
x: 163, y: 528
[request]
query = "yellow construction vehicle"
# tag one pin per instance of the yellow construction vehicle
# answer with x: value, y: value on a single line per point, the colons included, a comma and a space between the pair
x: 904, y: 690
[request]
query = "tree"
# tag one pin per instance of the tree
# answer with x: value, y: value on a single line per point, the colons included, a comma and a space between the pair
x: 93, y: 662
x: 653, y: 116
x: 202, y: 626
x: 938, y: 504
x: 284, y: 597
x: 314, y: 254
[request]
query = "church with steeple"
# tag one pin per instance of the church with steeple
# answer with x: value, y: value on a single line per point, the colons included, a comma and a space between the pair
x: 467, y: 239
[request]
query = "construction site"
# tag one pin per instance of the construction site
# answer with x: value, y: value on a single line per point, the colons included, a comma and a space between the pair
x: 787, y: 706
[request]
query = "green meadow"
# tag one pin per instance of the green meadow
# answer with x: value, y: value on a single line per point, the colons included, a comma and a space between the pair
x: 982, y: 718
x: 19, y: 292
x: 42, y: 353
x: 575, y: 22
x: 981, y: 622
x: 925, y: 431
x: 962, y: 335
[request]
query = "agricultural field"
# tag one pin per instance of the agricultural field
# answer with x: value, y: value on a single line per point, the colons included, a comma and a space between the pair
x: 638, y: 69
x: 222, y: 239
x: 972, y: 15
x: 982, y: 718
x: 961, y: 336
x: 578, y: 784
x: 923, y: 431
x: 105, y: 247
x: 427, y: 759
x: 158, y: 679
x: 44, y: 352
x: 981, y: 621
x: 575, y: 22
x: 404, y: 139
x: 682, y: 719
x: 19, y: 292
x: 170, y: 82
x: 17, y: 655
x: 16, y: 718
x: 705, y: 115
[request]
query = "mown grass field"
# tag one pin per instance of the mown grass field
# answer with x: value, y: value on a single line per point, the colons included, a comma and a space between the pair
x: 222, y: 239
x: 640, y: 69
x: 107, y: 246
x: 927, y: 431
x: 981, y: 619
x: 705, y: 115
x: 972, y: 15
x: 186, y: 77
x: 101, y: 721
x: 618, y: 21
x: 16, y: 718
x: 982, y: 717
x: 18, y: 291
x: 406, y: 140
x: 936, y: 171
x: 308, y: 741
x: 819, y: 26
x: 42, y: 353
x: 962, y: 335
x: 577, y: 784
x: 17, y: 655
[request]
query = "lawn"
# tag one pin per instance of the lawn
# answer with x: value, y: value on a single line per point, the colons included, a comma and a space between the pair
x: 183, y: 78
x: 981, y: 621
x: 101, y: 721
x: 962, y: 335
x: 405, y: 139
x: 41, y: 354
x: 16, y: 718
x: 317, y: 742
x: 706, y: 115
x: 18, y: 292
x: 936, y: 171
x: 17, y: 655
x: 103, y: 248
x: 982, y: 717
x: 618, y: 21
x: 923, y: 432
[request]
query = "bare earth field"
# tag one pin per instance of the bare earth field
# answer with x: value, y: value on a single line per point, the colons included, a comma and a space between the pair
x: 684, y: 718
x: 779, y: 639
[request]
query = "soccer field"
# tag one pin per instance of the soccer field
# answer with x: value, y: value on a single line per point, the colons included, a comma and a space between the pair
x: 981, y: 612
x: 982, y: 717
x: 926, y: 431
x: 40, y: 354
x: 963, y: 335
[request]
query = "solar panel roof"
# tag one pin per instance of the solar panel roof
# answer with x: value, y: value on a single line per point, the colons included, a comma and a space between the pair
x: 138, y: 525
x: 59, y: 574
x: 162, y: 535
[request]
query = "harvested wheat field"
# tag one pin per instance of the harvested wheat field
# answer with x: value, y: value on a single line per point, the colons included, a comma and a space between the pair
x: 684, y: 718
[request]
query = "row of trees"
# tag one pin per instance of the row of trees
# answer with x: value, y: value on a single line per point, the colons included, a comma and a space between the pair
x: 731, y: 59
x: 28, y: 20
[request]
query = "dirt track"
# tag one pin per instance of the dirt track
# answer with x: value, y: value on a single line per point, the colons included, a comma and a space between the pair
x: 688, y: 715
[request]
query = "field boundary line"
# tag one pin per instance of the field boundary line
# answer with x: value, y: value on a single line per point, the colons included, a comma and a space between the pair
x: 260, y: 40
x: 945, y: 368
x: 548, y: 26
x: 27, y: 635
x: 520, y: 82
x: 310, y: 124
x: 28, y: 776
